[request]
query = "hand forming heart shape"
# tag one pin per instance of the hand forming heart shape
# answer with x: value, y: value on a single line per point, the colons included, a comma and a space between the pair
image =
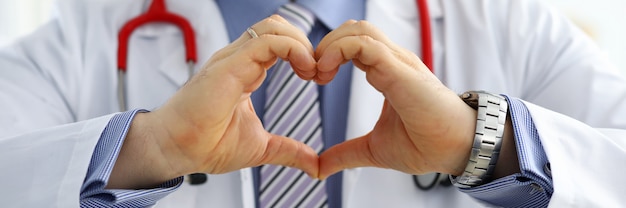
x: 210, y: 124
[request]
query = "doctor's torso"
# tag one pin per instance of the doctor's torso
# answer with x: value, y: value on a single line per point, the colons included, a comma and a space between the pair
x: 157, y: 68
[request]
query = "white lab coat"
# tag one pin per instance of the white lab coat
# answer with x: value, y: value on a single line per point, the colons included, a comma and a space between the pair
x: 58, y: 91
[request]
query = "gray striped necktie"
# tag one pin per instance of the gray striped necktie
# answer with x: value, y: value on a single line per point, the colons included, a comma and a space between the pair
x: 292, y: 109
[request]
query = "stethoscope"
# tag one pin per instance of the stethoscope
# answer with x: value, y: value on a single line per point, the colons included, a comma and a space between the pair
x: 158, y: 12
x: 427, y: 58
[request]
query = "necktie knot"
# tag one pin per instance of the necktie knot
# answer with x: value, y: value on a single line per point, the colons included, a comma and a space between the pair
x: 297, y: 15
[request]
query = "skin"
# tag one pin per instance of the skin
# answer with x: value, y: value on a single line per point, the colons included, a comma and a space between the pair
x: 210, y: 125
x: 424, y: 126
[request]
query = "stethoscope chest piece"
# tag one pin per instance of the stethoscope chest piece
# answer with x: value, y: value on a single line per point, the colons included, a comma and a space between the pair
x: 429, y: 181
x: 197, y: 178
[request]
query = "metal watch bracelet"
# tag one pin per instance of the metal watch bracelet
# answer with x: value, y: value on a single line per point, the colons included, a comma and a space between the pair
x: 491, y: 117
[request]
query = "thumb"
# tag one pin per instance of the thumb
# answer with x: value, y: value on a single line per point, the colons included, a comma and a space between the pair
x: 292, y: 153
x: 349, y: 154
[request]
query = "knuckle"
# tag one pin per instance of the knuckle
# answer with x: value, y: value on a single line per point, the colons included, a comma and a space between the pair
x: 268, y: 23
x: 347, y: 23
x: 248, y: 44
x: 272, y: 18
x: 365, y: 38
x: 364, y: 24
x: 350, y: 21
x: 276, y: 17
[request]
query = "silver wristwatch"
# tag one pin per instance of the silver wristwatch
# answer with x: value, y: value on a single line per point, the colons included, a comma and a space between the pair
x: 492, y: 111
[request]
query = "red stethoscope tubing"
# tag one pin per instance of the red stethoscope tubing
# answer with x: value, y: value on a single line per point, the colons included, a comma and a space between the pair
x: 156, y: 13
x: 425, y: 32
x: 427, y: 58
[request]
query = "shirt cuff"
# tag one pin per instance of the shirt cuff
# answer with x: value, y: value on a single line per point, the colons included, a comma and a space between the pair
x: 533, y: 186
x: 93, y: 192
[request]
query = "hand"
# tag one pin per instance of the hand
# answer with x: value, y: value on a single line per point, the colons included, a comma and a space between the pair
x: 424, y: 127
x: 210, y: 125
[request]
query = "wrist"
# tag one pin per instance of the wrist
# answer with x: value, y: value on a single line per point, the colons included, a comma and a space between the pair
x: 142, y: 161
x: 492, y: 111
x: 461, y: 153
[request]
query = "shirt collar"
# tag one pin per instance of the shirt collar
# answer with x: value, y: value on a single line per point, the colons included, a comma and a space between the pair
x: 240, y: 14
x: 333, y: 13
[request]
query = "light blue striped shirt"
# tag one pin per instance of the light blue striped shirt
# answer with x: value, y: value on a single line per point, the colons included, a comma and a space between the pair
x: 533, y: 186
x: 530, y: 188
x: 108, y: 148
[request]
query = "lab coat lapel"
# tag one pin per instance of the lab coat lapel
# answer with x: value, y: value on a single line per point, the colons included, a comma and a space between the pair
x: 159, y: 67
x: 203, y: 17
x: 174, y: 66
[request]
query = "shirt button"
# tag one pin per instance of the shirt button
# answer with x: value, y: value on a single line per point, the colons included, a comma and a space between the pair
x: 536, y: 188
x: 548, y: 170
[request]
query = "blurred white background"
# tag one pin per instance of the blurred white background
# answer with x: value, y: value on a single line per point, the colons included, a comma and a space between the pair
x: 20, y: 17
x: 604, y: 20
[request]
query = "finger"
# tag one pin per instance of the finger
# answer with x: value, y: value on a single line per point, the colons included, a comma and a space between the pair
x: 273, y: 25
x: 262, y: 52
x: 325, y: 75
x: 375, y: 58
x: 304, y: 73
x: 332, y: 36
x: 282, y: 47
x: 353, y: 28
x: 283, y: 27
x: 241, y: 73
x: 276, y: 25
x: 289, y: 152
x: 350, y: 154
x: 323, y: 78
